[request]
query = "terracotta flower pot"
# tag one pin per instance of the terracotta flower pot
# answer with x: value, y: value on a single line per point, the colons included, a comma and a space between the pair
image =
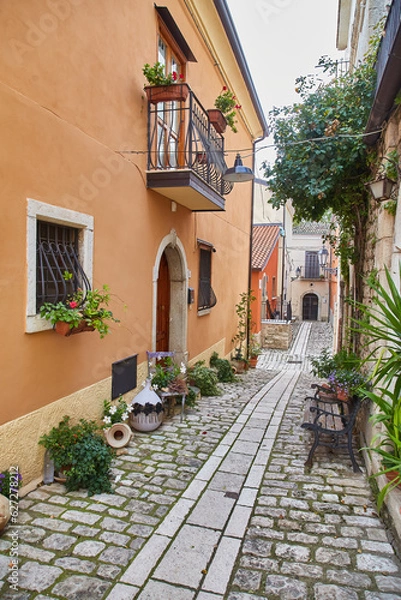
x: 65, y: 330
x: 176, y: 92
x: 217, y: 119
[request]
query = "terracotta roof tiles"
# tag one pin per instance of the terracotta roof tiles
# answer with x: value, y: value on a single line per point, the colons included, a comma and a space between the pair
x: 264, y: 239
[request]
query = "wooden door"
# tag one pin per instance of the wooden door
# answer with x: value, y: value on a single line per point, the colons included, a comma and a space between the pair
x: 310, y: 307
x: 163, y: 307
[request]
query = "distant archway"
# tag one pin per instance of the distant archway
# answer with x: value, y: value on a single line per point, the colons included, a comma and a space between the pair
x: 310, y: 307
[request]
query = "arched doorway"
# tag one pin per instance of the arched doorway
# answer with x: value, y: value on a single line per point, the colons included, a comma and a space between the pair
x: 170, y: 285
x: 310, y: 306
x: 163, y: 306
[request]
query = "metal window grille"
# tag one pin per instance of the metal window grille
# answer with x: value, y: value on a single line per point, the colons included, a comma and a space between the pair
x: 206, y: 295
x: 57, y: 252
x: 311, y: 265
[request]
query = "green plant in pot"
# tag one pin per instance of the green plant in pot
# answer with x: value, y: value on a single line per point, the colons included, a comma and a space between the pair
x: 81, y: 451
x: 223, y: 368
x: 81, y: 312
x: 227, y: 103
x: 163, y: 86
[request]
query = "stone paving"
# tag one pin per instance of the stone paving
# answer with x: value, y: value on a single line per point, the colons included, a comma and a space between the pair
x: 216, y: 507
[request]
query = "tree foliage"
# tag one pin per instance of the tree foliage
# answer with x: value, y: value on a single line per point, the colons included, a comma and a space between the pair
x: 322, y: 162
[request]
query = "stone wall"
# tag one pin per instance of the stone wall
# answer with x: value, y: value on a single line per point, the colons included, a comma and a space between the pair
x: 276, y: 334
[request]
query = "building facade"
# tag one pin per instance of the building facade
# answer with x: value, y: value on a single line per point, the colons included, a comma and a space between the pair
x: 116, y: 189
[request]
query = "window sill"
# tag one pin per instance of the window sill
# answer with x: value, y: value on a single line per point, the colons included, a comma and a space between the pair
x: 204, y: 311
x: 35, y: 324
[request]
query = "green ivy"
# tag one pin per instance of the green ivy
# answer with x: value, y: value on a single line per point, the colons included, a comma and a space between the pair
x: 322, y: 161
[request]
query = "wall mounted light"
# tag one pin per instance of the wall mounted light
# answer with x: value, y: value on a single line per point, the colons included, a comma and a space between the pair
x: 381, y: 188
x: 238, y: 172
x: 323, y: 257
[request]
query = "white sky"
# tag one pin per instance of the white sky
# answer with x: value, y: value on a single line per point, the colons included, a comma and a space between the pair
x: 283, y: 39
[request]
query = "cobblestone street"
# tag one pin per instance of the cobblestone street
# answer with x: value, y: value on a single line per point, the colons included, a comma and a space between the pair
x: 216, y: 507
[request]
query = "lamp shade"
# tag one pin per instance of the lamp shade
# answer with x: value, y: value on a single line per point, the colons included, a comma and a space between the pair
x: 381, y: 188
x: 323, y: 256
x: 238, y: 172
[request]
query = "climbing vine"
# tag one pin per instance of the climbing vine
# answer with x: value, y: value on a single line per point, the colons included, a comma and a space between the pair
x: 322, y: 161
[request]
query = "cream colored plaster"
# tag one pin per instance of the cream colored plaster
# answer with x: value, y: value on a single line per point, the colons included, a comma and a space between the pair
x: 19, y: 438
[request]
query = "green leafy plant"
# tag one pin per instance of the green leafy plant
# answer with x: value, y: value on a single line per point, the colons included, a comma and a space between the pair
x: 81, y: 451
x: 80, y: 307
x: 156, y: 75
x: 255, y: 349
x: 347, y: 381
x: 226, y: 102
x: 244, y: 314
x: 117, y: 412
x: 166, y: 373
x: 387, y: 443
x: 380, y: 329
x: 10, y: 483
x: 200, y: 376
x: 223, y: 368
x: 322, y: 160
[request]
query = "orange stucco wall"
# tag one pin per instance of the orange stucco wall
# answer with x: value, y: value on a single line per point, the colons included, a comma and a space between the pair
x: 270, y: 270
x: 71, y: 100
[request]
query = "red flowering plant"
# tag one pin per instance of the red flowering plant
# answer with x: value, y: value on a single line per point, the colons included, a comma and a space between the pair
x: 156, y: 75
x: 88, y: 307
x: 227, y: 103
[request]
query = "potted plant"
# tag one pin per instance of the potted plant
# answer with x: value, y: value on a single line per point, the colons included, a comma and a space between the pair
x: 117, y: 432
x: 346, y: 383
x: 81, y: 312
x: 81, y: 452
x: 224, y: 113
x: 254, y: 350
x: 162, y: 87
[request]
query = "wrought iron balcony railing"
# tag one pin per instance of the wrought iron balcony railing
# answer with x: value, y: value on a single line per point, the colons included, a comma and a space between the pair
x: 186, y: 155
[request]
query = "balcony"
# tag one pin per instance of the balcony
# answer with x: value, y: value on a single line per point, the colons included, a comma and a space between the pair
x: 186, y: 155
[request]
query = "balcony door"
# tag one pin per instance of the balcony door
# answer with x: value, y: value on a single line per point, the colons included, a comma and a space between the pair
x: 168, y: 113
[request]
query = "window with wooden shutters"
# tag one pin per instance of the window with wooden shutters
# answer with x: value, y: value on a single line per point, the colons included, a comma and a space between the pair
x: 206, y: 295
x: 311, y: 265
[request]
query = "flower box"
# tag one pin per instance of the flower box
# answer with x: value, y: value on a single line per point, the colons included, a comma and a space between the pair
x: 217, y: 119
x: 64, y: 329
x: 176, y: 92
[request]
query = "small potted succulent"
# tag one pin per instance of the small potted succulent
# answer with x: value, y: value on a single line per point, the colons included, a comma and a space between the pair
x: 81, y: 312
x: 224, y: 112
x: 164, y: 87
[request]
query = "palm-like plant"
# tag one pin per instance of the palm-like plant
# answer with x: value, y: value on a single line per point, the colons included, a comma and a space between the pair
x: 381, y: 326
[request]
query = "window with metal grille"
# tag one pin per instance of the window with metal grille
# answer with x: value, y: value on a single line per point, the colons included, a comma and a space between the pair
x: 311, y: 265
x: 57, y: 253
x: 206, y: 295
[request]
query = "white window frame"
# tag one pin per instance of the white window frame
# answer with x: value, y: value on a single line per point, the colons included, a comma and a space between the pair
x: 39, y: 211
